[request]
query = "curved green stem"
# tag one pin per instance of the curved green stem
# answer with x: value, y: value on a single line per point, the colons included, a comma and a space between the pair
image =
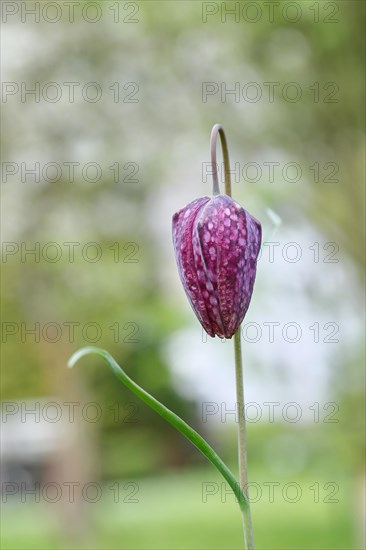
x: 218, y: 129
x: 171, y: 417
x: 242, y: 445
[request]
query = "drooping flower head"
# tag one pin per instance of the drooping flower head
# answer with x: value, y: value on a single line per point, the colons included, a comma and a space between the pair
x: 216, y: 245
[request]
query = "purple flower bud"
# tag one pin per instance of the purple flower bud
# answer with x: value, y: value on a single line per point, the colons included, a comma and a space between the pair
x: 216, y: 245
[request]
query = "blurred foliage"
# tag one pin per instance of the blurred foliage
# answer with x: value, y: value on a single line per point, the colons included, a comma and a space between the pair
x: 124, y: 213
x: 170, y: 54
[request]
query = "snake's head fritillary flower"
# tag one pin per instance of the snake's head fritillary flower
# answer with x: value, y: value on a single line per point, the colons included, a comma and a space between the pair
x: 216, y: 245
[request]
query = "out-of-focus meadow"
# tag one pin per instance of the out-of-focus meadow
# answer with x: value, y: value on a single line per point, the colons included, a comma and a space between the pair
x: 113, y: 139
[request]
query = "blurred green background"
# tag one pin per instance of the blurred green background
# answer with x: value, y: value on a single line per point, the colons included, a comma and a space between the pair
x: 103, y: 271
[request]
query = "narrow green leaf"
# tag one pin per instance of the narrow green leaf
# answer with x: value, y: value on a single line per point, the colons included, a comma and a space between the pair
x: 188, y: 432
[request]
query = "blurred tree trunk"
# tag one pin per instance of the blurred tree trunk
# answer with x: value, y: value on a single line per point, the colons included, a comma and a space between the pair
x: 74, y: 463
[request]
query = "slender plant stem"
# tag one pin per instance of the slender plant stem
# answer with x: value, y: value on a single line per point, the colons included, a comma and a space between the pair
x: 242, y: 445
x: 242, y: 439
x: 218, y: 129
